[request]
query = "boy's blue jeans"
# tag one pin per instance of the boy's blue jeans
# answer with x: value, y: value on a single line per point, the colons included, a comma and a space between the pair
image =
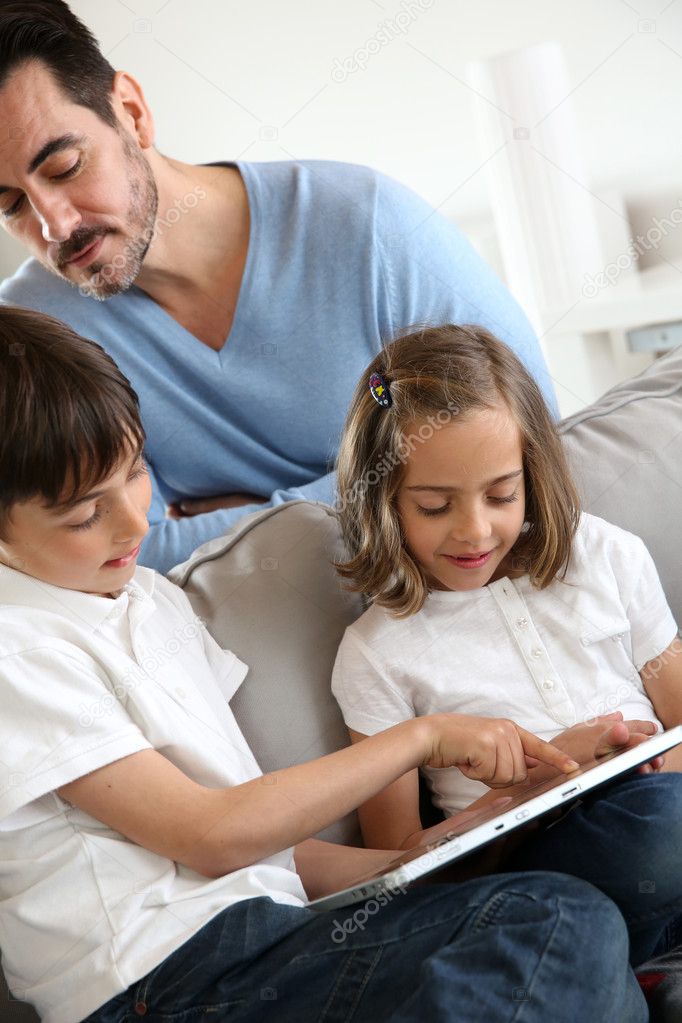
x: 520, y: 947
x: 527, y: 946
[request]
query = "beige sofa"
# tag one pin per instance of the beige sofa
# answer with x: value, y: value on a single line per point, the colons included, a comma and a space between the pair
x: 268, y: 592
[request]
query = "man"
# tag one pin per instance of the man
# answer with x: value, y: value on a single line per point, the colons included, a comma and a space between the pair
x: 242, y: 300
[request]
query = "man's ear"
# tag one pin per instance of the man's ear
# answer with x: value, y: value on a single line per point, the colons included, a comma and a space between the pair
x: 131, y: 108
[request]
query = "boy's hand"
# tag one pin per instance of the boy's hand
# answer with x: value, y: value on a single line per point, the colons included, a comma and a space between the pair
x: 492, y: 750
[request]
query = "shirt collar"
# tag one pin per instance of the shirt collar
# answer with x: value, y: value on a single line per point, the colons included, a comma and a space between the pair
x: 85, y: 609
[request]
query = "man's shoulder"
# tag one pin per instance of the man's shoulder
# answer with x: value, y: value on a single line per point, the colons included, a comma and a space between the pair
x: 350, y: 186
x: 34, y: 287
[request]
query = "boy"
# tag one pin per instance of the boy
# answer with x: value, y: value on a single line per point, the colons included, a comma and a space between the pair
x: 146, y: 866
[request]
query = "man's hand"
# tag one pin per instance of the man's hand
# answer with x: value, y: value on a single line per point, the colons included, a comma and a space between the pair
x: 198, y: 505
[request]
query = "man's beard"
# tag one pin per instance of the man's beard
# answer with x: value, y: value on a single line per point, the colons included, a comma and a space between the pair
x: 113, y: 278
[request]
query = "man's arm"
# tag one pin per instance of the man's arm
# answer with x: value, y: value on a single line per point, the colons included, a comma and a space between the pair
x: 171, y: 541
x: 662, y: 678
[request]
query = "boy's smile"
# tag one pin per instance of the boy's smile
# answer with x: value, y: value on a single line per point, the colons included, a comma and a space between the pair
x: 462, y: 500
x: 91, y: 545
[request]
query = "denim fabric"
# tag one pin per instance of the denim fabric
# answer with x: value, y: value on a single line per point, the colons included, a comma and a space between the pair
x: 523, y: 948
x: 627, y: 843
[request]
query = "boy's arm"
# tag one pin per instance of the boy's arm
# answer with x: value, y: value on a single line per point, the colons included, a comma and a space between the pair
x: 391, y: 819
x: 662, y: 678
x: 217, y: 831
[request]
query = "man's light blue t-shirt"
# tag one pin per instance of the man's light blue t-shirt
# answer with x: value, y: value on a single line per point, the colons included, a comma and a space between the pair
x: 340, y: 259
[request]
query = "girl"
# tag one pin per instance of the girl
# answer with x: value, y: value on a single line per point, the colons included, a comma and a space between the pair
x: 492, y: 595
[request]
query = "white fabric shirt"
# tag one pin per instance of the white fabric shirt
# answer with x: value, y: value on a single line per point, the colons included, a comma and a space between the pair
x: 547, y: 659
x: 84, y: 681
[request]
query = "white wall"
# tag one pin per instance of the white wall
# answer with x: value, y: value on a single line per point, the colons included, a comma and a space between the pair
x: 257, y: 80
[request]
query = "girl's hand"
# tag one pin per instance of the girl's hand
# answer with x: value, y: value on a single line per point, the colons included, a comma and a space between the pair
x: 495, y: 751
x: 605, y: 734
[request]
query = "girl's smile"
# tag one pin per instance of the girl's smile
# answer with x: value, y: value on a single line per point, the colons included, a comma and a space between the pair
x: 462, y: 500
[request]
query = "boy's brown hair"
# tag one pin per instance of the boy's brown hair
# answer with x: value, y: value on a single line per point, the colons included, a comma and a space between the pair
x: 68, y: 416
x: 437, y: 375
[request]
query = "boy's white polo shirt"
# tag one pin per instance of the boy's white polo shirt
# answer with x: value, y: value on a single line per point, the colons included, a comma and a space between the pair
x: 84, y: 681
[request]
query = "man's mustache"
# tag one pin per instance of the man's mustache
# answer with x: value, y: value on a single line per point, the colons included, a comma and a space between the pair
x: 81, y: 238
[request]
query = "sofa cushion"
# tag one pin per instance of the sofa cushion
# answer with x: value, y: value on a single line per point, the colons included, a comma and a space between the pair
x: 267, y: 591
x: 625, y: 451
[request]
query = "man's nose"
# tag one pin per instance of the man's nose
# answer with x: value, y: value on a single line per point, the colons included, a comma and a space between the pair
x: 58, y: 217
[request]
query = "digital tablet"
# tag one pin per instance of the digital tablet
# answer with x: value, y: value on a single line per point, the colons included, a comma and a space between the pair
x: 465, y: 838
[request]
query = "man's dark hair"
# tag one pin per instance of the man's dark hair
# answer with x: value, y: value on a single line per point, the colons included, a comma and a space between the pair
x: 68, y: 416
x: 47, y: 31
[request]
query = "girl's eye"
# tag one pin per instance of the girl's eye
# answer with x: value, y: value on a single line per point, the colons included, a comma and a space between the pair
x: 88, y: 522
x: 506, y: 500
x: 433, y: 511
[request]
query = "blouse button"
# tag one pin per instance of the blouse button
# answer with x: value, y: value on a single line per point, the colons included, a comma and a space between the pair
x: 537, y: 652
x: 522, y: 622
x: 548, y: 683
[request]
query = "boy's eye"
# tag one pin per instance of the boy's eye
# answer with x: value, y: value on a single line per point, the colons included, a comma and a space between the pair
x: 139, y: 470
x: 88, y: 522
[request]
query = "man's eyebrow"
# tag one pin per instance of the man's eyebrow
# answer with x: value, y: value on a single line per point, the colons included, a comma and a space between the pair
x: 453, y: 490
x: 67, y: 506
x: 56, y: 145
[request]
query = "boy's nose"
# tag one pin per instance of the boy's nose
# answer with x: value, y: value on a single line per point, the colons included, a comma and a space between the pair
x: 131, y: 525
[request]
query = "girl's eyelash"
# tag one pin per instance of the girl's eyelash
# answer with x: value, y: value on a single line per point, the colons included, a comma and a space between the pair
x: 496, y: 500
x: 15, y: 207
x: 140, y: 471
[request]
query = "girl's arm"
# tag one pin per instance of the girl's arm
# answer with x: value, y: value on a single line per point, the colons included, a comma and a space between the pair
x: 662, y: 678
x: 217, y: 831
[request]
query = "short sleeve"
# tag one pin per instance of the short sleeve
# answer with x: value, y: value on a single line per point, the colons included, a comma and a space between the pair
x: 60, y: 720
x: 652, y: 626
x: 228, y: 670
x: 369, y: 701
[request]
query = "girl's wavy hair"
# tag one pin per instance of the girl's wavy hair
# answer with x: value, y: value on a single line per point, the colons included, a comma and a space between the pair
x: 437, y: 375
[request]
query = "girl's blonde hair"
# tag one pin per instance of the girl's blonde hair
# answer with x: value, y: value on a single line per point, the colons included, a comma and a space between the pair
x: 435, y: 376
